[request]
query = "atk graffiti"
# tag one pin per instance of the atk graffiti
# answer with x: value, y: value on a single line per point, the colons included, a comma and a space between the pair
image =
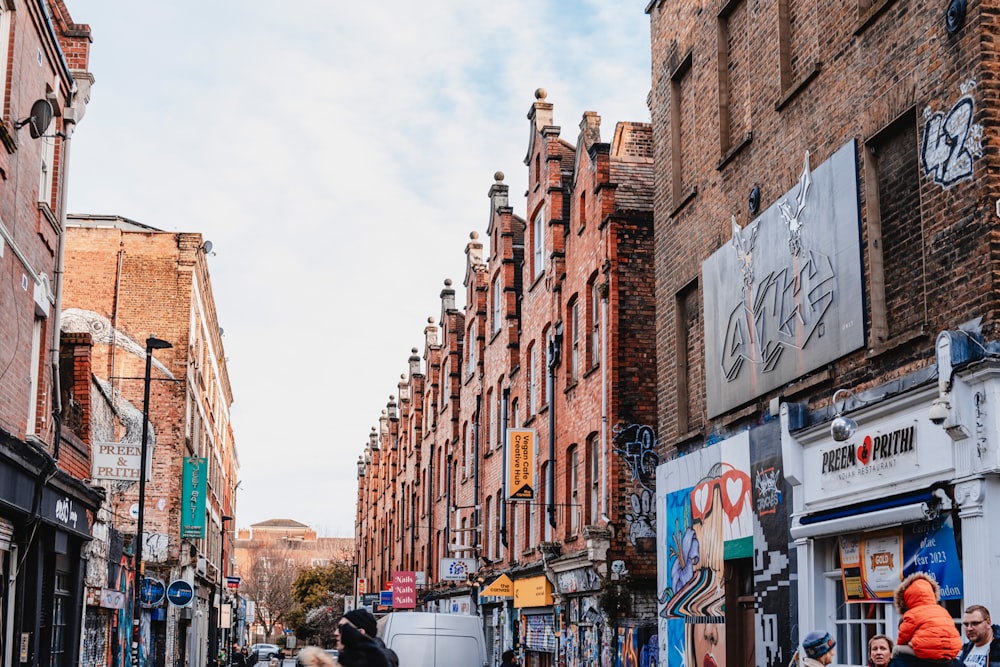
x: 952, y: 140
x: 637, y: 445
x: 783, y: 308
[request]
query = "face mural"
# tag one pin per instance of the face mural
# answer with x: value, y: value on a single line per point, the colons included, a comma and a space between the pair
x: 722, y: 522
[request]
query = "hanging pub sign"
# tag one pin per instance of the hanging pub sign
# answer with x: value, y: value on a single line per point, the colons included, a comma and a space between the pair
x: 874, y: 564
x: 193, y: 491
x: 520, y: 465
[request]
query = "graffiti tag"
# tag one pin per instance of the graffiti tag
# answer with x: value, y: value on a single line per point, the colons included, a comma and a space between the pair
x: 637, y: 445
x: 952, y: 140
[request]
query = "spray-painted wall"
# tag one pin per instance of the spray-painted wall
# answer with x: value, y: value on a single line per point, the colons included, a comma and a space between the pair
x: 725, y: 502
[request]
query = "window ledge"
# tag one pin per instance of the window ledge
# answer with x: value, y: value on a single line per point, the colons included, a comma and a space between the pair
x: 915, y: 333
x: 684, y: 200
x: 734, y: 151
x: 570, y: 387
x: 868, y: 17
x: 798, y: 86
x: 590, y: 371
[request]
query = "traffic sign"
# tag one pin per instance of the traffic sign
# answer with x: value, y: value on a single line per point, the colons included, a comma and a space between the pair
x: 180, y: 593
x: 151, y: 592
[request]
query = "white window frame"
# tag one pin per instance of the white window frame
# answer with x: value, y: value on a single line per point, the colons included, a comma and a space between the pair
x: 574, y: 334
x: 470, y: 345
x: 445, y: 382
x: 531, y: 388
x: 595, y: 324
x: 574, y: 490
x: 34, y: 377
x: 538, y: 244
x: 497, y: 304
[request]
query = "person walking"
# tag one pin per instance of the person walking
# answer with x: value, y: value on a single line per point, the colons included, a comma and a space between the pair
x: 818, y: 646
x: 983, y: 647
x: 356, y: 648
x: 509, y: 658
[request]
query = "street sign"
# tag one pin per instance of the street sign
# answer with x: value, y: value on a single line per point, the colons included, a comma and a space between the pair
x: 152, y: 591
x: 180, y: 593
x: 385, y: 598
x: 233, y: 583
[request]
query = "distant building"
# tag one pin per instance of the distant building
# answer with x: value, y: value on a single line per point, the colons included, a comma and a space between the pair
x: 267, y: 558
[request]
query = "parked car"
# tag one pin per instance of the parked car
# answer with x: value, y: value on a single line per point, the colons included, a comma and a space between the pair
x: 434, y: 640
x: 264, y: 651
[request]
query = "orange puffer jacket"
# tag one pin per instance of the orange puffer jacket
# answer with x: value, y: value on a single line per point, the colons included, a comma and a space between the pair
x: 926, y: 626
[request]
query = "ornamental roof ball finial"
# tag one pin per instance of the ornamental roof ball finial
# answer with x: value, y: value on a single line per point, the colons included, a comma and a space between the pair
x: 541, y: 94
x: 447, y: 282
x: 498, y: 177
x: 474, y: 235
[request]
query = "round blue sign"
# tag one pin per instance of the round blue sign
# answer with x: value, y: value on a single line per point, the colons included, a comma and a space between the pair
x: 151, y: 592
x: 180, y: 593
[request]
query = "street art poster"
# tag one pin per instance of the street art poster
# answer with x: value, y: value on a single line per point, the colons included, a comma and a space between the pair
x: 637, y: 647
x: 774, y: 559
x: 778, y: 298
x: 874, y: 564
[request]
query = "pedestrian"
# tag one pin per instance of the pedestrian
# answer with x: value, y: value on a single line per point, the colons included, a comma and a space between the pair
x: 879, y: 651
x: 366, y: 623
x: 313, y: 656
x: 237, y: 657
x: 509, y: 658
x: 983, y: 647
x: 357, y: 648
x: 927, y: 631
x: 818, y: 646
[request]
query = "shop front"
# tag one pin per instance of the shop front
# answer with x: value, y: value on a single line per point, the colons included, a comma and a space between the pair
x: 583, y: 627
x: 537, y: 621
x: 896, y: 488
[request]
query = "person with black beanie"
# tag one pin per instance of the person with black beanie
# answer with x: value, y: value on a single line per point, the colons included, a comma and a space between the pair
x: 357, y: 647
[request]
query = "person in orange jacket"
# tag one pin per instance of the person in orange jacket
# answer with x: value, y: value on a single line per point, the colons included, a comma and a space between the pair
x: 927, y: 631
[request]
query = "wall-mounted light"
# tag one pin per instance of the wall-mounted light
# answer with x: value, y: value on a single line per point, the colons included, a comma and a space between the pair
x: 842, y: 428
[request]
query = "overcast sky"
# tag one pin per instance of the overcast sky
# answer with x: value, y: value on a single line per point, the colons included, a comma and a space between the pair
x: 337, y: 154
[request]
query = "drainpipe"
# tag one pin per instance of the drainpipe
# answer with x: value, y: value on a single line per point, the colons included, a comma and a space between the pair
x: 475, y: 473
x: 555, y: 352
x: 430, y: 512
x: 505, y: 394
x: 604, y: 401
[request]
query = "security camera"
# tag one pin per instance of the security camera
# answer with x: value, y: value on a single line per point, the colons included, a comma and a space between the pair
x: 940, y: 410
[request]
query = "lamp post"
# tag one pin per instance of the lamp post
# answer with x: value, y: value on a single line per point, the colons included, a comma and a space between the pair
x: 152, y: 343
x: 215, y: 630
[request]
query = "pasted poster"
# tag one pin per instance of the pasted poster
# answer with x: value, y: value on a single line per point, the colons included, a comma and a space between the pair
x: 874, y: 564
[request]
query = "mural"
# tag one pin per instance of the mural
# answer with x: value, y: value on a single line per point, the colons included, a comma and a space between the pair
x: 76, y: 320
x: 637, y: 647
x: 952, y: 140
x: 771, y: 297
x: 725, y: 502
x: 122, y: 655
x: 637, y: 445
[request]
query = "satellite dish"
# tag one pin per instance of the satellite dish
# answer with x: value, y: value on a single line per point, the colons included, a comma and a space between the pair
x: 41, y: 116
x: 207, y: 247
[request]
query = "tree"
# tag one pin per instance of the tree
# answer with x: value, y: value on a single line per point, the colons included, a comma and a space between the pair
x: 319, y: 592
x: 268, y: 582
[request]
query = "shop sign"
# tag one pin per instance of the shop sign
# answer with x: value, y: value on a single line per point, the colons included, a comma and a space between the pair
x: 404, y: 590
x: 362, y: 586
x: 193, y: 491
x: 233, y: 583
x: 116, y: 461
x: 532, y: 592
x: 520, y: 454
x: 874, y: 564
x: 502, y: 587
x: 457, y: 569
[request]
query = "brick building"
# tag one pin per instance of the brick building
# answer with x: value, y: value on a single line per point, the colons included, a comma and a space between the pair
x: 826, y: 208
x: 267, y: 557
x: 552, y: 356
x: 127, y: 283
x: 46, y: 506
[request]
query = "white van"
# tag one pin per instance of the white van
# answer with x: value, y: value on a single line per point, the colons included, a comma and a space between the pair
x: 425, y: 639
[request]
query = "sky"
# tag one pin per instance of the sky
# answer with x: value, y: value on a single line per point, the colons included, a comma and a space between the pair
x: 337, y: 155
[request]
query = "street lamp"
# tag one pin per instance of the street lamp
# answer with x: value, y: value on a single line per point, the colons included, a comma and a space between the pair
x: 152, y: 343
x: 215, y: 629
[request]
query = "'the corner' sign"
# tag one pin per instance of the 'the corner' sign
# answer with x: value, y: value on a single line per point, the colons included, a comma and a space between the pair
x: 520, y: 452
